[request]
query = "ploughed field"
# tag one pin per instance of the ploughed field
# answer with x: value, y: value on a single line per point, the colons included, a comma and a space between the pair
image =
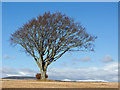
x: 16, y: 83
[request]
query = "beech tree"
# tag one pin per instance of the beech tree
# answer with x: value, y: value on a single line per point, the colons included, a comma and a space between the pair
x: 49, y: 36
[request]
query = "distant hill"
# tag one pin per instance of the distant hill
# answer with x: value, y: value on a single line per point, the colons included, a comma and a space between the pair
x: 64, y: 80
x: 19, y: 77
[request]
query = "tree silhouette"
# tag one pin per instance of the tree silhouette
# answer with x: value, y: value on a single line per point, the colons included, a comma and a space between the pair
x: 49, y: 36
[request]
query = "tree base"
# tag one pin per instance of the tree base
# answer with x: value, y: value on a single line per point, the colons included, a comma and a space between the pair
x: 45, y: 80
x: 38, y: 76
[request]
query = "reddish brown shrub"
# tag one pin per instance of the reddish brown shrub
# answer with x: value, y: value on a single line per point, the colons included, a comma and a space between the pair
x: 38, y: 76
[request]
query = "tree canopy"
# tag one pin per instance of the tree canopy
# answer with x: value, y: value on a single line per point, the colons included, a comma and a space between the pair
x: 47, y: 37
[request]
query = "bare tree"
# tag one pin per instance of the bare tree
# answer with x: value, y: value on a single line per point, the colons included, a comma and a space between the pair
x: 47, y: 37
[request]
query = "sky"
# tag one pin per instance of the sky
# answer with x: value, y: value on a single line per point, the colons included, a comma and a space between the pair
x: 99, y: 18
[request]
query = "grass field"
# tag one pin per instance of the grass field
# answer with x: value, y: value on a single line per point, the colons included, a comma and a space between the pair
x: 15, y: 83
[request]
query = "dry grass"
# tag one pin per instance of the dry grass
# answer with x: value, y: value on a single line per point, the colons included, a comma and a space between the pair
x: 15, y: 83
x: 46, y: 80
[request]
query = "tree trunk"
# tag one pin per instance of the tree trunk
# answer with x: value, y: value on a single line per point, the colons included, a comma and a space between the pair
x: 43, y: 74
x: 43, y: 69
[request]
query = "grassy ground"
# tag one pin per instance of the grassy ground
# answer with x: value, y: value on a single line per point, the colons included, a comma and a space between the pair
x: 15, y: 83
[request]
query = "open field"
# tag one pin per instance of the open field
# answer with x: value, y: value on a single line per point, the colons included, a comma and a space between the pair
x: 15, y: 83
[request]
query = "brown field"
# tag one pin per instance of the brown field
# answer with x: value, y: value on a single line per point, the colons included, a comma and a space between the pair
x: 15, y: 83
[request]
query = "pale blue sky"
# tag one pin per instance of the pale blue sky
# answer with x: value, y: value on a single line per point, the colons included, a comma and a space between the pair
x: 100, y: 19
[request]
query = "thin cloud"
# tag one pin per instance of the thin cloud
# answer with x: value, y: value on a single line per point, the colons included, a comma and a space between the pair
x: 64, y: 64
x: 107, y: 58
x: 109, y: 72
x: 9, y: 57
x: 6, y: 56
x: 73, y: 63
x: 7, y: 71
x: 84, y: 59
